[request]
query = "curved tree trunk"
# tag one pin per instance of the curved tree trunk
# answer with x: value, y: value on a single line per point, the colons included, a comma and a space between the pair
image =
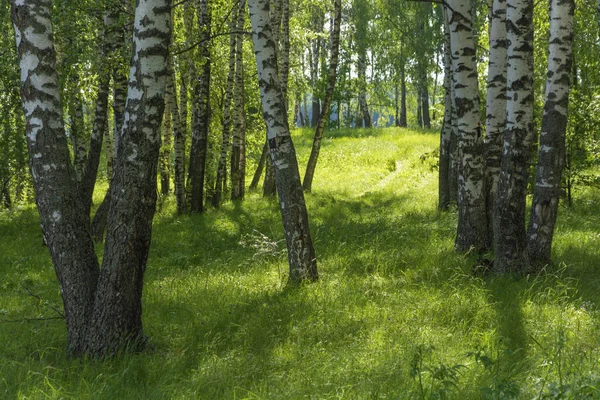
x: 62, y: 215
x: 551, y: 155
x: 472, y: 227
x: 301, y: 253
x: 495, y: 107
x: 510, y: 241
x: 333, y: 63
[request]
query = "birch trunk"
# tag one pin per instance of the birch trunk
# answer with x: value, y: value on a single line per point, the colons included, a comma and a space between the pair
x: 225, y: 141
x: 117, y: 318
x: 238, y: 151
x: 77, y: 130
x: 510, y: 241
x: 446, y: 133
x: 495, y: 107
x: 362, y: 94
x: 472, y: 226
x: 551, y: 153
x: 332, y: 75
x: 197, y: 167
x: 165, y: 151
x: 301, y: 253
x: 179, y: 142
x: 62, y: 216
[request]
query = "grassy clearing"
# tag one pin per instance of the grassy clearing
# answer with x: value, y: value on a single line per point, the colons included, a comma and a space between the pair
x: 397, y: 314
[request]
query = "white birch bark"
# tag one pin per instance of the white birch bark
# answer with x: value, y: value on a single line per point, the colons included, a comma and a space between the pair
x: 62, y: 218
x: 472, y: 226
x: 551, y: 152
x: 495, y: 106
x: 117, y: 319
x: 510, y: 242
x: 301, y: 253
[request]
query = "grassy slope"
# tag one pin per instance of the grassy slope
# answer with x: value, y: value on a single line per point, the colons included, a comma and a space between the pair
x: 397, y: 313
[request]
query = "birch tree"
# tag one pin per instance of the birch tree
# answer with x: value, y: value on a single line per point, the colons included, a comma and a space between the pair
x: 197, y: 166
x: 238, y: 150
x: 301, y: 253
x: 102, y: 306
x: 331, y: 78
x: 510, y: 244
x: 495, y: 106
x: 472, y: 227
x: 446, y: 133
x: 551, y: 153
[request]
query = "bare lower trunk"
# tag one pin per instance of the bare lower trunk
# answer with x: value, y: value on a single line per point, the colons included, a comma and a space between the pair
x: 551, y: 155
x: 301, y: 254
x: 472, y: 227
x: 510, y: 241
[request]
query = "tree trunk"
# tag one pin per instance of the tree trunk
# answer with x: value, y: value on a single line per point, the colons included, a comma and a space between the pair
x: 165, y: 151
x: 301, y: 253
x: 495, y: 108
x: 551, y: 155
x: 198, y: 150
x: 510, y: 241
x: 260, y: 167
x: 179, y: 142
x: 362, y: 94
x: 403, y: 120
x: 446, y: 134
x: 77, y: 128
x: 225, y: 141
x: 472, y: 227
x: 238, y: 150
x: 62, y: 216
x: 333, y: 63
x: 116, y: 322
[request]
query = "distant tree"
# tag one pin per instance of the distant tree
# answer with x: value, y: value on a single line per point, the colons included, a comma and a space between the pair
x: 301, y: 253
x: 199, y: 146
x: 331, y: 79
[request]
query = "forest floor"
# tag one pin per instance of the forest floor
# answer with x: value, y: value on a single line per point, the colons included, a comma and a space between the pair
x: 396, y: 313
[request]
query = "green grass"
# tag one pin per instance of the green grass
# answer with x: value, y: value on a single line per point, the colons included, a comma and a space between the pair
x: 396, y: 314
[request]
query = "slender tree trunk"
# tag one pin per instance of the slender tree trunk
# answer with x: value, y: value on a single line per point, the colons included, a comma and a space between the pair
x: 62, y: 216
x: 284, y: 66
x: 403, y: 112
x: 472, y: 226
x: 225, y: 141
x: 510, y: 240
x: 77, y: 131
x: 362, y: 94
x: 495, y: 108
x: 260, y: 167
x: 551, y: 153
x: 165, y: 151
x: 179, y: 141
x: 301, y: 253
x: 333, y: 63
x: 446, y: 134
x: 197, y: 167
x: 396, y: 105
x: 238, y: 150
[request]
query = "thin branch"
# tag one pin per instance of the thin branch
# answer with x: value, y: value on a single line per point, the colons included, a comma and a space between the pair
x: 4, y: 321
x: 216, y: 35
x: 56, y: 310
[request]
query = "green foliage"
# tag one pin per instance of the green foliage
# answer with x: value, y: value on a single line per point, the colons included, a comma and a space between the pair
x: 396, y: 314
